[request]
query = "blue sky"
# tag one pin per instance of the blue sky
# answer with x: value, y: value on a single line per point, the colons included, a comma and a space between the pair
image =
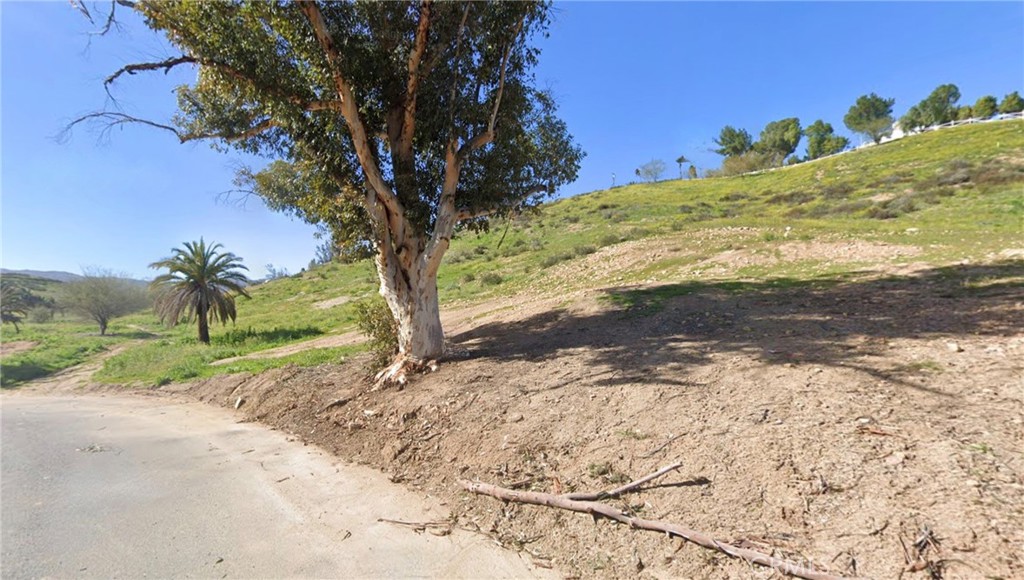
x: 635, y: 82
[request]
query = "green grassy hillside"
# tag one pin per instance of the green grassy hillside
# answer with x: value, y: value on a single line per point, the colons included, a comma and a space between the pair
x: 950, y: 195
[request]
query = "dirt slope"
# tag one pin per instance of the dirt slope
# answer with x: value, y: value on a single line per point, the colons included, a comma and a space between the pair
x: 824, y: 422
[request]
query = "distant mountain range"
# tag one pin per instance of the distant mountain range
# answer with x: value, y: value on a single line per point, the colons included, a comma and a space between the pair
x: 51, y: 275
x: 46, y: 275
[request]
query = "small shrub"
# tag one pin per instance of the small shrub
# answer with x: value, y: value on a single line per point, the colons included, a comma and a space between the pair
x: 40, y: 314
x: 836, y: 191
x: 571, y: 219
x: 480, y: 250
x: 609, y: 239
x: 469, y: 277
x: 491, y: 279
x: 792, y: 198
x: 553, y: 259
x: 735, y: 196
x: 607, y: 206
x: 536, y: 245
x: 846, y: 208
x: 954, y: 177
x: 584, y: 250
x: 893, y: 208
x: 375, y: 321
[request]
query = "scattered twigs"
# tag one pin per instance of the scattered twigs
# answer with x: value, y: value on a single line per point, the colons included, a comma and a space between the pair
x: 435, y: 528
x: 598, y: 509
x: 335, y: 403
x: 663, y: 445
x: 625, y: 488
x: 416, y: 524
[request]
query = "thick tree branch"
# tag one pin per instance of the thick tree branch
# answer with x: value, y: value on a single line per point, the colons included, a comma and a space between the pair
x: 598, y: 509
x: 415, y: 56
x: 350, y: 111
x: 131, y: 69
x: 488, y: 135
x: 455, y: 77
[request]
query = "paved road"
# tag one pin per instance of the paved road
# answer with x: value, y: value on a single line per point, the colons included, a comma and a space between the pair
x: 125, y: 487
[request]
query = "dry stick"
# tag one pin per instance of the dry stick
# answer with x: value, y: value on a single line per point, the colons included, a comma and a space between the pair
x: 624, y: 489
x: 599, y: 509
x: 664, y: 445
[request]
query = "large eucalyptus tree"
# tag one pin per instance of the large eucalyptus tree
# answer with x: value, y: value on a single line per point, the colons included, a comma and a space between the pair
x: 394, y: 121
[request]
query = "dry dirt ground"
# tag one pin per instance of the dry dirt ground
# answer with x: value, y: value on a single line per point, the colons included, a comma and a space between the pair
x: 15, y: 346
x: 833, y: 424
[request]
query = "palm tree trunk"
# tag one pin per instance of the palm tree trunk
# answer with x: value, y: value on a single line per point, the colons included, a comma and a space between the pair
x: 204, y: 326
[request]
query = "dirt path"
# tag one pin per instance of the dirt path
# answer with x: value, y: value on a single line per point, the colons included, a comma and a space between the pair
x: 16, y: 346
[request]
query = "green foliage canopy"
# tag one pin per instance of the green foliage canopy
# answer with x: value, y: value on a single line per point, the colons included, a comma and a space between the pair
x: 872, y: 116
x: 732, y: 142
x: 985, y: 107
x: 1012, y: 103
x: 822, y: 140
x: 426, y: 78
x: 779, y: 139
x: 940, y: 106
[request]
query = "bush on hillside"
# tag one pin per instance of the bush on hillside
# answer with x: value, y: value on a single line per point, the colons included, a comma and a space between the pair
x: 375, y: 321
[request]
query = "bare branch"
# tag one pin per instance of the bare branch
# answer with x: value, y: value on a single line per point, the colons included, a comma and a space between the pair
x: 113, y: 119
x: 468, y: 214
x: 167, y: 65
x: 597, y: 509
x: 488, y: 135
x: 625, y: 488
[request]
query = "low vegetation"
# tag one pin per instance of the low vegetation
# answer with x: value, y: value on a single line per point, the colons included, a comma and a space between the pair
x: 951, y: 195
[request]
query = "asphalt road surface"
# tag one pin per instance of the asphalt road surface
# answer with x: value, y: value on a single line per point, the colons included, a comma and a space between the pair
x: 126, y: 487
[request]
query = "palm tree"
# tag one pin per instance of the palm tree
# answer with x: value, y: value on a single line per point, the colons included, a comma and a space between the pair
x: 201, y: 285
x: 680, y: 160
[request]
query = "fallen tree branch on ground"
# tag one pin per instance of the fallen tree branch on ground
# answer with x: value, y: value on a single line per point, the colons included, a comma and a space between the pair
x: 597, y: 509
x: 625, y: 488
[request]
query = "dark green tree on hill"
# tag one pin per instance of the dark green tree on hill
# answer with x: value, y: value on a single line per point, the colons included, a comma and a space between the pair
x: 940, y: 106
x: 1012, y: 103
x: 985, y: 107
x: 779, y: 139
x: 693, y: 172
x: 733, y: 142
x: 200, y: 285
x: 415, y: 116
x: 822, y: 140
x: 872, y: 116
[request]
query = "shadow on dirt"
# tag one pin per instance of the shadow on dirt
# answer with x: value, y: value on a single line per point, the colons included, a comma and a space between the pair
x: 19, y: 372
x: 834, y: 321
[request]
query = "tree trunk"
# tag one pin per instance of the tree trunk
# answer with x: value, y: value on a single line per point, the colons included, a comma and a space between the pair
x: 103, y: 327
x: 410, y: 291
x: 204, y: 326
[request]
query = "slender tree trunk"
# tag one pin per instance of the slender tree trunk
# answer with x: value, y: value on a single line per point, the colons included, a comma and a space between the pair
x: 204, y: 326
x: 103, y: 327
